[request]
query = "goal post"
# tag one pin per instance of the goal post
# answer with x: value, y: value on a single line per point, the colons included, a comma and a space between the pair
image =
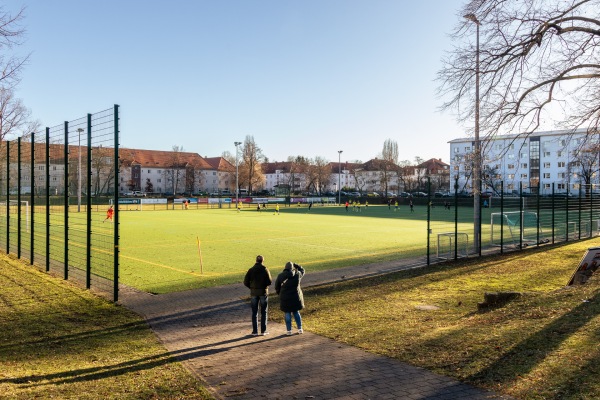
x: 452, y: 245
x: 13, y: 210
x: 517, y: 226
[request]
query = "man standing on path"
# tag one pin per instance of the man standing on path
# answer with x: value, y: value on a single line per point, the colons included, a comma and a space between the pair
x: 258, y: 280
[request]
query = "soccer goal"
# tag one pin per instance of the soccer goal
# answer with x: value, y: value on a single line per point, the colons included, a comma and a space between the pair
x: 13, y: 210
x: 518, y: 226
x: 450, y: 244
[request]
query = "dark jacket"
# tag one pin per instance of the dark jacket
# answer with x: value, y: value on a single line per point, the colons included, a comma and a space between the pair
x: 258, y: 279
x: 287, y: 286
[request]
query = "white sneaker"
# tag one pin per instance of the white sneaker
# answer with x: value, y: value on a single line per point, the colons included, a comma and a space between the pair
x: 289, y: 333
x: 300, y: 331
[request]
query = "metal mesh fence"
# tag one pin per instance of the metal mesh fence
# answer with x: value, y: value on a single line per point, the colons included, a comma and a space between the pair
x: 511, y: 222
x: 55, y: 186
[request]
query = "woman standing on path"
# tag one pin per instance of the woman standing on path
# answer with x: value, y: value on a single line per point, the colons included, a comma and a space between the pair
x: 291, y: 299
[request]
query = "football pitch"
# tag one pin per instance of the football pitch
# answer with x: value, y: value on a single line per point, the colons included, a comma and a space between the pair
x: 165, y: 251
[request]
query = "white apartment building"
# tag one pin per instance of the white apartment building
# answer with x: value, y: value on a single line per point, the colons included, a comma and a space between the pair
x: 563, y: 159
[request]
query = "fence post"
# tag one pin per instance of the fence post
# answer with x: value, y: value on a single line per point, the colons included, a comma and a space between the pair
x: 521, y: 209
x: 456, y: 219
x: 88, y: 208
x: 19, y: 197
x: 116, y: 201
x: 7, y: 197
x: 31, y: 201
x: 591, y: 191
x: 501, y: 217
x: 567, y: 216
x: 428, y: 219
x: 553, y: 213
x: 66, y: 200
x: 538, y: 222
x: 47, y: 199
x: 579, y: 215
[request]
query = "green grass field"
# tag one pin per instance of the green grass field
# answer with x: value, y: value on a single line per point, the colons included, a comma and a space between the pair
x: 159, y: 249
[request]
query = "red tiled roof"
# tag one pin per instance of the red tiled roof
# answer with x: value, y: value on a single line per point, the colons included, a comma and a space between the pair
x: 162, y: 159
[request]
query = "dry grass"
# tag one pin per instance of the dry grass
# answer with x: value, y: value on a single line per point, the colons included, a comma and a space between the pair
x: 57, y: 341
x: 544, y: 345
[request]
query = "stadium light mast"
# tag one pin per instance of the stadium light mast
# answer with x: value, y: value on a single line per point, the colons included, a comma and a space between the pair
x: 237, y: 186
x: 477, y: 150
x: 79, y: 130
x: 340, y: 176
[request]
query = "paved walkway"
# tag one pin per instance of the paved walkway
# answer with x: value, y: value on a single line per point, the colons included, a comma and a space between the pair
x: 208, y: 329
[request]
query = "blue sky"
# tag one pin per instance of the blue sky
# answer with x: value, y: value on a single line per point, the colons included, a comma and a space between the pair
x: 303, y: 77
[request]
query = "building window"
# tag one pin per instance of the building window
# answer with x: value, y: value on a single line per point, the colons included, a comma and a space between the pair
x: 41, y: 167
x: 511, y: 156
x: 456, y: 150
x: 523, y: 165
x: 158, y: 180
x: 523, y: 176
x: 546, y: 175
x: 559, y: 153
x: 547, y: 186
x: 561, y: 175
x: 546, y: 165
x: 560, y: 186
x: 546, y: 154
x: 511, y: 166
x: 511, y: 176
x: 561, y: 164
x: 563, y: 142
x: 467, y: 148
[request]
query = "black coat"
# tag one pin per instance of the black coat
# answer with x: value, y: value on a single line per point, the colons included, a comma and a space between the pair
x: 258, y: 280
x: 287, y: 286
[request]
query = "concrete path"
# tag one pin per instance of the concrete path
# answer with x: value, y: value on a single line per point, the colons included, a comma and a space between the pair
x: 208, y: 329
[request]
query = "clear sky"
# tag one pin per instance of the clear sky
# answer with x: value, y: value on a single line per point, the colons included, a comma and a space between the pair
x: 306, y: 77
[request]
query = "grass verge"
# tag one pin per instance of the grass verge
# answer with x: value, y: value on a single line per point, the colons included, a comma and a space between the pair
x: 544, y: 345
x: 57, y: 341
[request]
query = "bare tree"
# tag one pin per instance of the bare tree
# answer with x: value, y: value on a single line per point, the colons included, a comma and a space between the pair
x: 175, y: 171
x: 390, y: 165
x: 11, y: 36
x: 585, y: 165
x: 250, y: 173
x: 102, y: 170
x: 317, y: 173
x: 539, y: 61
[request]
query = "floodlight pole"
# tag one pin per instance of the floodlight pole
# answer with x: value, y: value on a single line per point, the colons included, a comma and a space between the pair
x: 237, y: 186
x: 340, y: 176
x: 79, y: 130
x: 477, y: 155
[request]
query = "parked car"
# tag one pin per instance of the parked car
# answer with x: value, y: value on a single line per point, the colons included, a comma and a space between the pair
x: 354, y: 194
x: 404, y: 194
x: 419, y: 194
x: 136, y: 193
x: 442, y: 194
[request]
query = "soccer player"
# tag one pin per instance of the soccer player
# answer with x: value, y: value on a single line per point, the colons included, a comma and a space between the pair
x: 109, y: 214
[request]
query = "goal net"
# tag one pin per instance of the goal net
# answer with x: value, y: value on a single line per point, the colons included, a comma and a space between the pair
x: 516, y: 227
x: 13, y: 210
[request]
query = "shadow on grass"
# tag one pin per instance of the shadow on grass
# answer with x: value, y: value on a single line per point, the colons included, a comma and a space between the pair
x: 140, y: 364
x: 529, y: 353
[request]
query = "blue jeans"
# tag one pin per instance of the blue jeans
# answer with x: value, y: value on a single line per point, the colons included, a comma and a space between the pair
x: 288, y: 320
x: 264, y: 306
